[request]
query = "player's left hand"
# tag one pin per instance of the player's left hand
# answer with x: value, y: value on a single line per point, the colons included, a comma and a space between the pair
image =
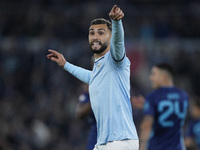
x: 116, y: 13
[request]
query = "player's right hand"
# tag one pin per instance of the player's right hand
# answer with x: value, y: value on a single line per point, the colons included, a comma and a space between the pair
x: 116, y: 13
x: 57, y: 57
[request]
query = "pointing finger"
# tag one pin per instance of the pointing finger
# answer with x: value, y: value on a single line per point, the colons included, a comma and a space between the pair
x: 117, y: 10
x: 113, y: 9
x: 53, y: 51
x: 51, y: 55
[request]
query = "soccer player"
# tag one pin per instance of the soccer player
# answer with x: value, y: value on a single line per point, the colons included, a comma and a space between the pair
x: 109, y: 83
x: 165, y: 111
x: 192, y: 138
x: 84, y: 111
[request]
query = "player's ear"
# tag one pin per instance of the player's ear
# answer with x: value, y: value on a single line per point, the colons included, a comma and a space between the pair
x: 165, y: 77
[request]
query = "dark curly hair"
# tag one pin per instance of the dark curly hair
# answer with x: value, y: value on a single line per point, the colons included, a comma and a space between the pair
x: 102, y: 21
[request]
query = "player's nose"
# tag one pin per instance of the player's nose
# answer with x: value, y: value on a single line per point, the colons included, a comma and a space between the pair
x: 94, y: 37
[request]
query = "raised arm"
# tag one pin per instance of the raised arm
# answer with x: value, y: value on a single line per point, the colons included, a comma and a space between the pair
x: 78, y: 72
x: 117, y: 41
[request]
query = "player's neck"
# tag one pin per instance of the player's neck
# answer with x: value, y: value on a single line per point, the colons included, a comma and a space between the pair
x: 167, y: 84
x: 98, y: 55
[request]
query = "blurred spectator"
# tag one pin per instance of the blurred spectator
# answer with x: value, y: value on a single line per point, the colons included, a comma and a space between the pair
x: 84, y: 111
x: 192, y: 138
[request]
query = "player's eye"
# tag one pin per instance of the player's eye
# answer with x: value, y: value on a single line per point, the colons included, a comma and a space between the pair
x: 91, y: 33
x: 101, y: 33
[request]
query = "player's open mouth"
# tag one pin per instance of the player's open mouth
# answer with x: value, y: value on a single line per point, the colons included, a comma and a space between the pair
x: 96, y: 44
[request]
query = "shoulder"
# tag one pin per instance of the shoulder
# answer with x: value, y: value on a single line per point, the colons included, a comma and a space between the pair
x: 182, y: 92
x: 153, y: 94
x: 124, y: 62
x: 151, y: 102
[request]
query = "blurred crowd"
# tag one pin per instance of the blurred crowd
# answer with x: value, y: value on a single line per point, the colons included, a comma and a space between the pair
x: 38, y: 99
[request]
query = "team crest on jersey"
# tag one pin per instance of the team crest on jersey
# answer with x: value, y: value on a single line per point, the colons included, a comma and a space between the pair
x: 99, y: 65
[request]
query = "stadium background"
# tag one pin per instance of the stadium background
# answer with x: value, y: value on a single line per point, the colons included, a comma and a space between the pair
x: 38, y: 99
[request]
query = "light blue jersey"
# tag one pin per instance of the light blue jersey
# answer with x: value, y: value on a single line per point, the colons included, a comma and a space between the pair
x: 109, y: 89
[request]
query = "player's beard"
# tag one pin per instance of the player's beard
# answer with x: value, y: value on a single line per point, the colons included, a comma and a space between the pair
x: 101, y: 49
